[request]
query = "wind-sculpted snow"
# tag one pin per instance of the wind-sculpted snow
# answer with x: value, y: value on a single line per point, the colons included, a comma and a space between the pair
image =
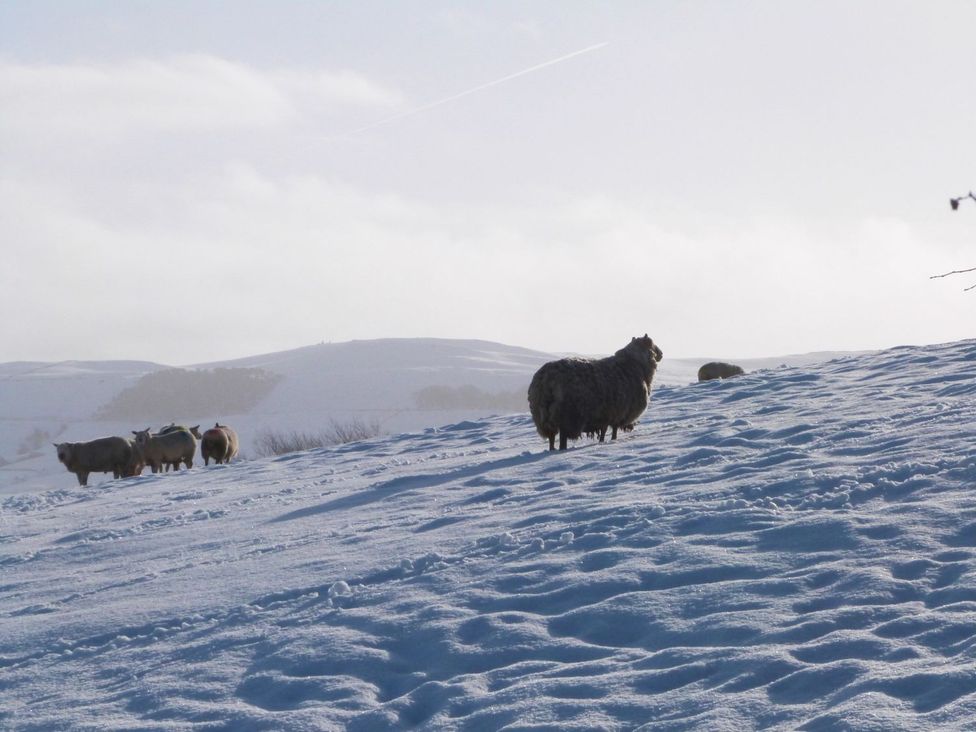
x: 790, y: 549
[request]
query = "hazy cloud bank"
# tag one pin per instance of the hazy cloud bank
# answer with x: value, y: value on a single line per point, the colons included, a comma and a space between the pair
x: 181, y: 94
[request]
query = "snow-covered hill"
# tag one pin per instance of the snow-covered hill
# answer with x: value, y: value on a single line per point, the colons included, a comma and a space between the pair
x: 373, y: 382
x: 792, y: 549
x: 369, y: 381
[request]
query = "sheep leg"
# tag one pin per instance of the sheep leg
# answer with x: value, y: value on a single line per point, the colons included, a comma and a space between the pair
x: 614, y: 435
x: 562, y: 440
x: 82, y: 476
x: 603, y: 433
x: 552, y: 441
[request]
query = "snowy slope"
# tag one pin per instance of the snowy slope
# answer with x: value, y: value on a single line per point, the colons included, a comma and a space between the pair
x: 373, y: 381
x: 41, y: 403
x: 378, y: 381
x: 370, y: 381
x: 793, y: 549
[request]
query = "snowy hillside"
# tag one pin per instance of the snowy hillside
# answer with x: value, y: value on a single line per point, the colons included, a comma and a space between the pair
x: 41, y: 403
x: 398, y: 384
x: 792, y: 549
x: 371, y: 381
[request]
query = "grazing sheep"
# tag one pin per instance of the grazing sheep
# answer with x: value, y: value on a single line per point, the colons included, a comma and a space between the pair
x: 576, y: 396
x: 136, y: 463
x: 220, y: 443
x: 116, y: 455
x: 172, y: 447
x: 173, y: 427
x: 718, y: 370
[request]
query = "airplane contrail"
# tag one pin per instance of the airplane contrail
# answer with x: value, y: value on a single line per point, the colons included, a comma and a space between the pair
x: 473, y: 90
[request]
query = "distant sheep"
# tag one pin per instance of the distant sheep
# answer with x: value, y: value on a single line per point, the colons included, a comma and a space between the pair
x: 220, y: 443
x: 574, y: 396
x: 136, y: 463
x: 116, y: 455
x: 173, y: 427
x: 158, y: 450
x: 718, y: 370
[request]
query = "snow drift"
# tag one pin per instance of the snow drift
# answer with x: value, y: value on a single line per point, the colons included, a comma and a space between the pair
x: 791, y: 549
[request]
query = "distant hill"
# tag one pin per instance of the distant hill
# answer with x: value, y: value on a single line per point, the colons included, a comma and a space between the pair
x: 402, y: 384
x: 192, y: 393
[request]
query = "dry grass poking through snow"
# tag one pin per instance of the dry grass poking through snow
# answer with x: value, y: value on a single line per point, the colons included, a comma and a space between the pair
x: 269, y: 443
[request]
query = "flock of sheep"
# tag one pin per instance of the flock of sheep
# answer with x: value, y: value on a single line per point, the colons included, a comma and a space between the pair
x: 569, y: 398
x: 576, y: 396
x: 128, y: 456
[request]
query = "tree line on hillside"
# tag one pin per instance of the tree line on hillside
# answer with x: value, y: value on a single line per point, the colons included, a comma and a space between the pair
x: 190, y: 392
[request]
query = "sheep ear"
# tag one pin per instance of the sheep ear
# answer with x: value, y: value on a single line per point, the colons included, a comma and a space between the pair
x: 134, y: 432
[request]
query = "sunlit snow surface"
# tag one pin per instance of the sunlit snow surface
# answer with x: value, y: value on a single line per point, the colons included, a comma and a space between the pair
x: 790, y: 549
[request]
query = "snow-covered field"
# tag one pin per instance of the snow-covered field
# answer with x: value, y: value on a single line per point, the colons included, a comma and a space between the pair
x: 791, y: 549
x: 373, y: 382
x: 369, y: 381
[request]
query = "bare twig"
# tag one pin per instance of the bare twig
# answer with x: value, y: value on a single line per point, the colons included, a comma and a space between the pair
x: 954, y: 202
x: 953, y: 272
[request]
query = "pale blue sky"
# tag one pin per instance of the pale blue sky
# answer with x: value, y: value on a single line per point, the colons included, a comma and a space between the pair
x: 737, y: 179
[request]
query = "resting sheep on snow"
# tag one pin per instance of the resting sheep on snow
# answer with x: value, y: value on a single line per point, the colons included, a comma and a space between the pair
x: 173, y: 447
x: 718, y: 370
x: 220, y: 443
x: 574, y: 396
x: 116, y: 455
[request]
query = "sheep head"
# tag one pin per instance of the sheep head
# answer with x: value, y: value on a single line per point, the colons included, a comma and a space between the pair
x: 644, y: 348
x: 142, y: 437
x: 64, y: 451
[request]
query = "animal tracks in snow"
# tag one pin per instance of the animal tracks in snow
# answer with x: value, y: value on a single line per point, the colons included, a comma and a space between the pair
x: 789, y: 549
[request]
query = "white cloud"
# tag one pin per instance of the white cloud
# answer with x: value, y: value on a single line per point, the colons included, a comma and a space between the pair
x: 291, y: 260
x: 197, y: 93
x: 335, y: 87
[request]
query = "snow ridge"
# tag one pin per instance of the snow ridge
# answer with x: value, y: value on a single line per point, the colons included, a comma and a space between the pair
x: 791, y: 549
